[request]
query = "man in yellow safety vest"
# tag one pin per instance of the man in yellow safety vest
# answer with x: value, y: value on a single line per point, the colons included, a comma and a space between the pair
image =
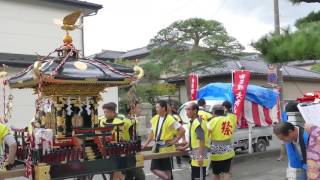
x: 163, y: 132
x: 203, y: 113
x: 198, y: 142
x: 121, y: 130
x: 228, y: 112
x: 221, y: 131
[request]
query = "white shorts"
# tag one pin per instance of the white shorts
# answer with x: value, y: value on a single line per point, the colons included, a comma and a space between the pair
x: 9, y: 140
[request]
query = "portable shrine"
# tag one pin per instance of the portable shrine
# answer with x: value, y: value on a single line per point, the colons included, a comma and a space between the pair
x: 66, y: 140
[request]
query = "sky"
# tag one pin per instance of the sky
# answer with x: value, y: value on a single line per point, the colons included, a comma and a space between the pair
x: 124, y: 25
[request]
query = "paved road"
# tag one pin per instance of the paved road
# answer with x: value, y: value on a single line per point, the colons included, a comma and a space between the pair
x: 247, y: 167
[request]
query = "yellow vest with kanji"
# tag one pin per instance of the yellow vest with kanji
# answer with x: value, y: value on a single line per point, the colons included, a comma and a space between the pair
x: 124, y: 129
x: 4, y: 130
x: 195, y: 143
x: 222, y: 131
x: 167, y: 133
x: 233, y: 118
x: 204, y: 115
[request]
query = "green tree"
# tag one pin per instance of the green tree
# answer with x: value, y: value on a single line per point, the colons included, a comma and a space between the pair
x: 302, y: 44
x: 186, y: 44
x: 152, y: 72
x: 148, y: 89
x: 312, y: 17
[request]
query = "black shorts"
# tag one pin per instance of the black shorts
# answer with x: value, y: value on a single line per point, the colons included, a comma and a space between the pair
x: 164, y: 164
x: 219, y: 167
x: 195, y: 173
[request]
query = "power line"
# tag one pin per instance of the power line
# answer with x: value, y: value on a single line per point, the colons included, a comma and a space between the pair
x: 219, y: 8
x: 296, y: 84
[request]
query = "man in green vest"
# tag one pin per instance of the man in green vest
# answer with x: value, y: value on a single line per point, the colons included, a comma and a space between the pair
x: 163, y: 132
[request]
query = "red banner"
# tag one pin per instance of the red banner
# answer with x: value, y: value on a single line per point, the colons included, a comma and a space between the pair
x: 240, y: 83
x: 279, y: 113
x: 193, y: 86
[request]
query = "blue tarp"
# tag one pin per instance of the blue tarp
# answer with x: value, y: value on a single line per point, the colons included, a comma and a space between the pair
x: 223, y: 91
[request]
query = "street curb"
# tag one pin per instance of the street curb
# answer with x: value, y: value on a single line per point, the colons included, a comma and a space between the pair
x: 267, y: 154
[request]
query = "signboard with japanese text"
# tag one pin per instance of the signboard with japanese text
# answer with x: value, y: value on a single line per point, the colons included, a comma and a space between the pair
x: 240, y: 83
x: 272, y: 75
x: 193, y: 85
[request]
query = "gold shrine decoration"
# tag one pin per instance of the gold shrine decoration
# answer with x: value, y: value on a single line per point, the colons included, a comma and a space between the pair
x: 42, y: 171
x: 72, y: 90
x: 36, y: 70
x: 87, y: 82
x: 139, y: 161
x: 139, y: 71
x: 69, y: 22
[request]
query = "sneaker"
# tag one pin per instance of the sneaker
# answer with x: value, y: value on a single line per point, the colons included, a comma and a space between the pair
x: 280, y: 158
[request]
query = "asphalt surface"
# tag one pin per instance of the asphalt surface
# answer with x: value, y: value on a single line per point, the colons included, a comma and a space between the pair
x: 262, y: 166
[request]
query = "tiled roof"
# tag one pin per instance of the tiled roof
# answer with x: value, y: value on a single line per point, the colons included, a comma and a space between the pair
x: 254, y: 65
x: 108, y: 54
x: 82, y: 4
x: 136, y: 52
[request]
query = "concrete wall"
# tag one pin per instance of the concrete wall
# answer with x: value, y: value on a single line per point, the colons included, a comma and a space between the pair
x: 27, y: 27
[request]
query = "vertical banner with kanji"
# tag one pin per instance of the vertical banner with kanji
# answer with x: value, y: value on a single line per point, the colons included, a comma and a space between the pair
x: 279, y: 113
x: 272, y: 75
x: 240, y: 83
x: 193, y: 85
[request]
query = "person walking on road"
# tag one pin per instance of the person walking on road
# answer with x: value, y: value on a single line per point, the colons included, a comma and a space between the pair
x: 163, y: 132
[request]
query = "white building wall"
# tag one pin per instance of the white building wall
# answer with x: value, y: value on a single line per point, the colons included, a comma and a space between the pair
x: 23, y: 103
x: 27, y: 27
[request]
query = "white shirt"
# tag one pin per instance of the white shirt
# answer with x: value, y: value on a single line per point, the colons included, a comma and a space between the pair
x: 175, y: 125
x: 159, y: 125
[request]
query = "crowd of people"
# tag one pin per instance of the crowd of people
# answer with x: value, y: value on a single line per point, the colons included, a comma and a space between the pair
x: 209, y: 139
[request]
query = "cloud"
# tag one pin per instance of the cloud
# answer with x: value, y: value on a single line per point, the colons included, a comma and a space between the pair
x: 263, y: 10
x: 124, y: 25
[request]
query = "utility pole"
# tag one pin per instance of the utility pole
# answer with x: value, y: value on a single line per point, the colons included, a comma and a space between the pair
x: 279, y: 66
x: 276, y: 17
